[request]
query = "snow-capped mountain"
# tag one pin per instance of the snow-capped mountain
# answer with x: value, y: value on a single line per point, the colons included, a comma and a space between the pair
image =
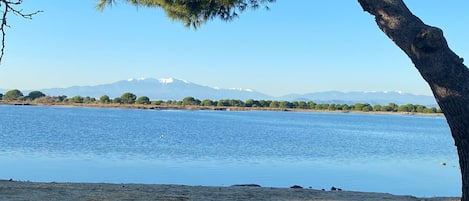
x: 176, y: 89
x: 157, y: 89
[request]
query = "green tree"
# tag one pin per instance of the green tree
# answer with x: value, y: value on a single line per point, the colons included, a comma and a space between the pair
x: 62, y: 98
x: 358, y: 106
x: 1, y: 96
x: 419, y: 108
x: 194, y: 13
x: 190, y: 101
x: 35, y: 94
x: 264, y: 103
x: 377, y: 108
x: 311, y: 105
x: 285, y: 104
x: 236, y: 103
x: 274, y: 104
x: 207, y: 102
x: 143, y: 100
x: 158, y: 102
x: 392, y: 107
x: 252, y: 103
x: 367, y: 107
x: 88, y: 99
x: 104, y: 99
x: 345, y: 107
x: 76, y: 99
x: 12, y: 95
x: 429, y: 110
x: 223, y: 102
x: 117, y: 100
x: 321, y: 106
x: 404, y: 108
x: 128, y: 98
x: 302, y: 105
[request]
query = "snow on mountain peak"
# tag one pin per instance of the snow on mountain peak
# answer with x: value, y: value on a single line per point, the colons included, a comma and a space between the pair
x: 136, y: 79
x: 171, y: 80
x: 241, y: 89
x: 166, y: 80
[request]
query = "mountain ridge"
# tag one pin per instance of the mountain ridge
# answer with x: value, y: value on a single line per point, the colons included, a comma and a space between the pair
x: 176, y: 89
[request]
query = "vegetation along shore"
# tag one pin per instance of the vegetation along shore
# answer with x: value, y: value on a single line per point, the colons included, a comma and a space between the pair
x: 130, y: 100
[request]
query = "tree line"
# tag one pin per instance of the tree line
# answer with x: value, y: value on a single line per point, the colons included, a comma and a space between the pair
x: 130, y: 98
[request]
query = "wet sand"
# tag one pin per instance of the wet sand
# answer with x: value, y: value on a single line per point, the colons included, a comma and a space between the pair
x: 15, y: 191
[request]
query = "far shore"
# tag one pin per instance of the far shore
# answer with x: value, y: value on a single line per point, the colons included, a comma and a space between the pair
x: 218, y: 108
x: 11, y: 190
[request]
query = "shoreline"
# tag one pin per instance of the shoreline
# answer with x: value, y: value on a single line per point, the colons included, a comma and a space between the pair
x: 19, y: 190
x: 216, y: 108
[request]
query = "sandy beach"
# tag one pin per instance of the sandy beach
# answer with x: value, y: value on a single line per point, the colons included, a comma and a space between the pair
x: 15, y: 190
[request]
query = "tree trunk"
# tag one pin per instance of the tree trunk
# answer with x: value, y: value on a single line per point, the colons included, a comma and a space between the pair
x: 443, y: 70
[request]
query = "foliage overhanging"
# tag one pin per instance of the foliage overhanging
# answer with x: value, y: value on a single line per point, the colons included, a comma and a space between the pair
x: 193, y: 13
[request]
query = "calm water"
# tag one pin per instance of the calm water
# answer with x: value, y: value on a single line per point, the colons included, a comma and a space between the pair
x: 364, y: 152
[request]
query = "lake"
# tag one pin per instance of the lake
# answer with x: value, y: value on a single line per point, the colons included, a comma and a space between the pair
x: 398, y: 154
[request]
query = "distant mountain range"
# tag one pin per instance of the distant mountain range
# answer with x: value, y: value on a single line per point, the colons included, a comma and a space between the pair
x: 363, y: 97
x: 157, y: 89
x: 175, y: 89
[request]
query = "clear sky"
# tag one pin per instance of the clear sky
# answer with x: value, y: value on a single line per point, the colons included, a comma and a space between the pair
x: 299, y: 46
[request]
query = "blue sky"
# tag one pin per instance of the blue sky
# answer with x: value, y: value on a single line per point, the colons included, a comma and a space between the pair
x: 298, y: 46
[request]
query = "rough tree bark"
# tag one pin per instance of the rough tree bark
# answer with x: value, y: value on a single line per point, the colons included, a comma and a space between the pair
x: 443, y: 70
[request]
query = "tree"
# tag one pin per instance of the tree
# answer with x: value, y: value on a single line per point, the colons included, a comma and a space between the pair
x: 88, y: 99
x: 61, y: 98
x: 143, y: 100
x: 285, y: 104
x: 419, y: 108
x: 377, y: 108
x: 117, y: 100
x: 251, y: 103
x: 311, y: 104
x: 12, y: 95
x: 391, y: 107
x: 128, y: 98
x: 158, y: 102
x: 264, y: 103
x: 403, y: 108
x: 76, y: 99
x: 274, y: 104
x: 344, y: 107
x: 194, y: 13
x: 35, y: 94
x: 1, y: 96
x: 104, y: 99
x: 443, y: 70
x: 190, y: 101
x: 358, y: 106
x: 207, y: 102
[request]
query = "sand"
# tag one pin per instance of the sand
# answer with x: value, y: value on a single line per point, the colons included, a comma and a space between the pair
x: 15, y: 190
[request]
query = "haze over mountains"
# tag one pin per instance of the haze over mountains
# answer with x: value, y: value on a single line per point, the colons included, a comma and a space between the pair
x: 175, y: 89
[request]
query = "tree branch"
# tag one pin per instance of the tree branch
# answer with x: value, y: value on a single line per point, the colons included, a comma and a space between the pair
x: 9, y: 7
